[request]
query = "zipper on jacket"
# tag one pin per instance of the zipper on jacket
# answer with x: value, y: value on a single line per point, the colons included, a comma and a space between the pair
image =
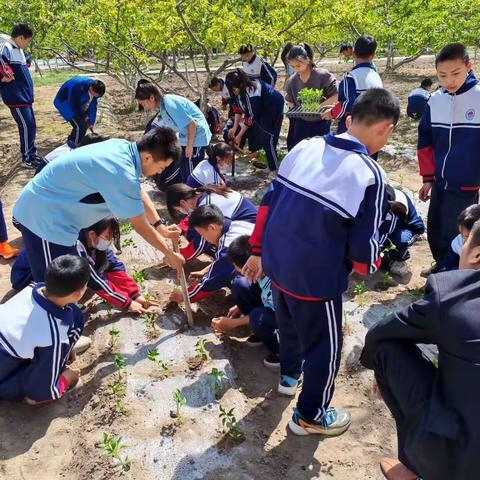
x: 452, y: 108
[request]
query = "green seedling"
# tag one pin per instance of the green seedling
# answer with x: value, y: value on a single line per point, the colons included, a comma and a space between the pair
x: 128, y: 242
x: 416, y: 293
x: 112, y: 447
x: 359, y: 288
x: 148, y: 296
x: 387, y: 278
x: 114, y: 337
x: 119, y: 362
x: 229, y: 423
x: 152, y: 355
x: 150, y: 324
x: 139, y: 277
x: 125, y: 228
x: 388, y: 249
x: 200, y: 349
x: 218, y: 376
x: 118, y: 390
x: 310, y: 98
x: 179, y: 400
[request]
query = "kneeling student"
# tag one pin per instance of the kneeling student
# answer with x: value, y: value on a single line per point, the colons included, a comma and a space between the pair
x: 38, y: 332
x: 254, y: 306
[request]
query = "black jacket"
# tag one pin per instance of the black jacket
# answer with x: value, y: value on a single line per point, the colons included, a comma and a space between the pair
x: 445, y: 443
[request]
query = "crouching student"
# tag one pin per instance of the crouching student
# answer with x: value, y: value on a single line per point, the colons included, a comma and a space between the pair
x: 312, y: 179
x: 418, y: 99
x: 39, y: 329
x: 254, y: 306
x: 216, y: 229
x: 399, y: 231
x: 435, y: 407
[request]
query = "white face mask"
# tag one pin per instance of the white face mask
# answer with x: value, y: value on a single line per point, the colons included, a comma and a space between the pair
x: 102, y: 244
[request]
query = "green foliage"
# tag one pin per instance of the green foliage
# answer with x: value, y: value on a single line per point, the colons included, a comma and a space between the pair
x: 112, y: 447
x: 126, y: 228
x: 152, y: 355
x: 150, y: 326
x: 200, y: 348
x: 179, y: 401
x: 114, y: 334
x: 127, y: 242
x: 310, y: 98
x: 359, y: 288
x: 139, y: 277
x: 387, y: 278
x: 218, y: 377
x: 229, y: 422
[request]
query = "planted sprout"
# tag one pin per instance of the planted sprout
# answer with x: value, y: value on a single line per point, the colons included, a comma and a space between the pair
x: 200, y: 348
x: 150, y: 324
x: 118, y: 390
x: 359, y: 288
x: 112, y: 447
x: 311, y: 98
x: 387, y: 278
x: 139, y: 277
x: 125, y: 228
x: 179, y: 400
x: 114, y: 337
x: 119, y: 362
x: 390, y: 248
x: 152, y: 355
x: 128, y: 242
x: 218, y: 376
x: 229, y: 422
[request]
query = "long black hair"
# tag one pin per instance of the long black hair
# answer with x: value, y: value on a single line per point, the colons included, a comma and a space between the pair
x: 238, y: 79
x: 111, y: 223
x: 221, y: 150
x: 145, y: 89
x: 302, y: 52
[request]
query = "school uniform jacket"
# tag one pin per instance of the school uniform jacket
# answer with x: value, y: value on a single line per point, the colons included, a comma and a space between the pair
x: 449, y: 138
x: 259, y: 69
x: 36, y: 338
x: 362, y: 77
x: 205, y: 173
x: 233, y: 206
x: 416, y: 102
x: 14, y: 62
x: 221, y: 271
x: 452, y: 258
x: 72, y: 98
x: 321, y: 217
x: 443, y: 439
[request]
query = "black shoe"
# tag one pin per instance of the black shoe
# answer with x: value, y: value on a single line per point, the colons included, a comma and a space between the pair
x: 272, y: 361
x: 259, y: 165
x: 37, y: 160
x: 27, y: 163
x: 253, y: 341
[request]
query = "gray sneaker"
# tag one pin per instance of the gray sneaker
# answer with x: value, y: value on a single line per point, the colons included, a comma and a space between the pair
x: 83, y: 343
x: 334, y: 422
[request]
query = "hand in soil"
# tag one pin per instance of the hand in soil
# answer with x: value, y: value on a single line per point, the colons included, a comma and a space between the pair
x: 223, y: 324
x: 176, y: 297
x: 175, y: 260
x: 234, y: 312
x: 172, y: 231
x: 147, y: 303
x: 136, y: 307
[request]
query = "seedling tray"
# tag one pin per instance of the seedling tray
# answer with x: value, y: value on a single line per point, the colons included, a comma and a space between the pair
x: 306, y: 112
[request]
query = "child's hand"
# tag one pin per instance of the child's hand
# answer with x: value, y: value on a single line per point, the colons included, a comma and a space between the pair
x: 175, y: 260
x: 72, y: 357
x: 8, y: 80
x: 327, y: 114
x: 176, y: 297
x: 238, y: 140
x: 189, y: 151
x: 195, y: 277
x: 172, y: 231
x: 231, y: 133
x: 424, y: 193
x: 71, y: 376
x: 223, y: 324
x: 136, y: 307
x: 147, y: 303
x: 234, y: 312
x: 252, y: 270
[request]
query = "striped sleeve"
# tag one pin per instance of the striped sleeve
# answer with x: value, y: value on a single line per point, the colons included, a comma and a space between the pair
x: 425, y: 152
x: 5, y: 68
x: 347, y: 95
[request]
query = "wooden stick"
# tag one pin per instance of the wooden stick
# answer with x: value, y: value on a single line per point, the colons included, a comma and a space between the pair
x: 183, y: 284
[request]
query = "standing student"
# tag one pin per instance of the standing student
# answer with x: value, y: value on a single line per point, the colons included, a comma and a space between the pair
x: 262, y: 107
x: 6, y: 250
x: 16, y: 89
x: 184, y: 117
x: 84, y: 186
x: 288, y: 68
x: 346, y: 51
x: 306, y: 75
x: 418, y: 98
x: 39, y: 329
x: 308, y: 237
x: 362, y: 77
x: 76, y: 101
x: 449, y: 148
x: 257, y: 68
x: 209, y: 171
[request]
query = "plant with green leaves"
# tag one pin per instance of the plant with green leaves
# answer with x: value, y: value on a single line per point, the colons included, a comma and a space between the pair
x: 229, y: 423
x: 139, y: 277
x: 386, y: 250
x: 127, y: 242
x: 311, y: 98
x: 200, y: 349
x: 150, y: 326
x: 114, y: 334
x: 218, y: 377
x: 153, y: 355
x: 118, y: 390
x: 112, y: 447
x: 179, y: 401
x: 359, y: 288
x: 126, y: 228
x: 387, y: 278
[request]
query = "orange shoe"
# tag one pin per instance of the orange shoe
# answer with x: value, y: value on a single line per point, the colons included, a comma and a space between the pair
x: 396, y: 470
x: 7, y: 251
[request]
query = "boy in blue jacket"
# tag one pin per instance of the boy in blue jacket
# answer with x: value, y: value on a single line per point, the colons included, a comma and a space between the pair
x: 329, y: 234
x: 449, y: 148
x: 16, y: 89
x: 77, y: 103
x: 257, y: 68
x: 38, y: 332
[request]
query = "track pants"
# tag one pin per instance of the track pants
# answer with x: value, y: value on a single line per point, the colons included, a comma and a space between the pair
x: 79, y: 130
x: 3, y: 225
x: 299, y: 130
x: 27, y: 128
x: 269, y: 141
x: 310, y: 333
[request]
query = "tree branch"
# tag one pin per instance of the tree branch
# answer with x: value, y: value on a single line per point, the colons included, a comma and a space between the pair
x: 412, y: 58
x: 296, y: 20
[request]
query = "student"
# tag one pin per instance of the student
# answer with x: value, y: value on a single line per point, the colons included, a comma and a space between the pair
x: 83, y: 186
x: 6, y: 250
x: 219, y: 156
x: 308, y: 237
x: 262, y: 106
x: 16, y: 89
x: 254, y: 308
x: 76, y: 101
x: 435, y: 407
x: 465, y: 222
x: 449, y: 148
x: 346, y: 51
x: 306, y: 75
x: 218, y: 85
x: 39, y: 329
x: 216, y: 229
x: 185, y: 118
x: 288, y: 68
x: 418, y: 98
x: 257, y: 67
x: 362, y: 77
x: 182, y: 200
x: 399, y: 230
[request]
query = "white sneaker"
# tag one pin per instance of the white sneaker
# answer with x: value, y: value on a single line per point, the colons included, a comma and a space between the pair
x: 399, y: 268
x: 83, y: 343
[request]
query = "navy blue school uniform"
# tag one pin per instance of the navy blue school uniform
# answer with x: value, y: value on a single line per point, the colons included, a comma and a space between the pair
x: 452, y: 259
x: 259, y: 69
x: 3, y: 225
x: 361, y: 78
x: 206, y: 173
x: 74, y: 104
x: 17, y: 95
x: 36, y: 338
x: 416, y: 103
x: 448, y: 156
x: 262, y: 106
x: 326, y: 233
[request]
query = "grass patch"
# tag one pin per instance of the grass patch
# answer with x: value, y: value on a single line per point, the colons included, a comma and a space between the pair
x: 53, y: 77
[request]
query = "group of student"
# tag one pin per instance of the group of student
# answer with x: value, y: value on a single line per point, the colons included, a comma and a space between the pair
x: 329, y: 206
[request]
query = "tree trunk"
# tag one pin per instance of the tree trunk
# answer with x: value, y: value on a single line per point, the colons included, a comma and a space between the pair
x: 390, y: 54
x: 37, y: 68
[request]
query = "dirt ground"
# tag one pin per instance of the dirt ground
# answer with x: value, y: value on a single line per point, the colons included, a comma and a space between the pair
x: 59, y: 441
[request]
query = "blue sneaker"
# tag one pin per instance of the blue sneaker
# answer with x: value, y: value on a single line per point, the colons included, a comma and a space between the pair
x: 334, y: 422
x: 288, y: 385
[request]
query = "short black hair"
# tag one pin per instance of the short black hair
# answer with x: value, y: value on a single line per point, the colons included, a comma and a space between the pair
x: 239, y: 251
x: 365, y: 46
x: 206, y: 215
x: 468, y: 217
x: 65, y: 275
x: 215, y: 81
x: 426, y: 82
x: 162, y: 143
x: 376, y: 105
x: 452, y: 51
x: 98, y: 87
x: 474, y: 235
x: 345, y: 46
x: 245, y: 48
x: 22, y: 30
